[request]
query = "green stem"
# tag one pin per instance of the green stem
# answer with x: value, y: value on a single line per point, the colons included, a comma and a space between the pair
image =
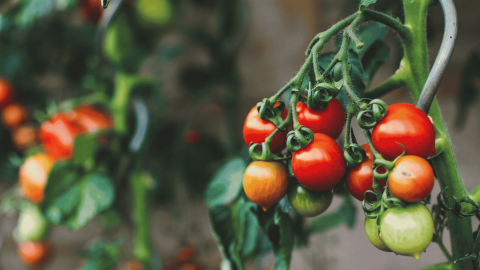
x: 392, y: 83
x: 388, y: 21
x: 293, y: 109
x: 440, y: 266
x: 475, y: 194
x: 445, y: 251
x: 140, y: 183
x: 348, y: 123
x: 416, y: 70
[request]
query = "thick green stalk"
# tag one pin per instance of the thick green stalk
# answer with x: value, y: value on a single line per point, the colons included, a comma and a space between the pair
x: 140, y: 183
x: 415, y: 64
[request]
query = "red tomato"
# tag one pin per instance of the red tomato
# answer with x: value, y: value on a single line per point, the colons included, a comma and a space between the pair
x: 186, y: 253
x: 412, y: 179
x: 35, y: 254
x: 33, y: 176
x: 14, y: 115
x: 91, y: 118
x: 321, y: 165
x: 329, y: 120
x: 192, y: 137
x: 6, y: 92
x: 408, y: 125
x: 256, y: 130
x: 360, y: 178
x: 91, y: 10
x: 58, y: 136
x: 24, y: 137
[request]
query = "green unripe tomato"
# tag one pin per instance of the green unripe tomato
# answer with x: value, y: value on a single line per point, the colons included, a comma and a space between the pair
x: 371, y: 230
x: 32, y: 225
x: 308, y: 202
x: 407, y: 230
x: 154, y: 12
x: 337, y: 72
x: 118, y: 40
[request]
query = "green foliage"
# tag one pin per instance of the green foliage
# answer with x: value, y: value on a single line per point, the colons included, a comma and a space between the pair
x: 103, y: 255
x: 376, y: 55
x: 366, y: 3
x: 226, y: 183
x: 72, y: 199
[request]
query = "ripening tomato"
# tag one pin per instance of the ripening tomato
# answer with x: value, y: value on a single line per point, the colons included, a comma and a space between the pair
x: 186, y: 253
x: 320, y: 166
x: 134, y: 265
x: 407, y: 230
x: 24, y: 137
x: 360, y: 178
x: 35, y: 254
x: 407, y: 125
x: 329, y: 120
x: 14, y: 115
x: 256, y: 130
x: 90, y: 118
x: 6, y: 92
x: 265, y: 182
x: 91, y: 10
x: 32, y: 225
x: 307, y: 202
x: 371, y: 230
x: 33, y: 176
x: 412, y: 179
x: 58, y: 136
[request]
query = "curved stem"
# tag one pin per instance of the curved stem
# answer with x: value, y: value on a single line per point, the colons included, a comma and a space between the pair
x: 392, y: 83
x: 348, y: 123
x: 293, y: 109
x: 399, y: 28
x: 445, y: 251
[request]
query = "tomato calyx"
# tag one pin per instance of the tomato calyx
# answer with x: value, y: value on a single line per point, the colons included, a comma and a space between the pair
x: 299, y: 138
x: 371, y: 114
x: 272, y: 111
x: 456, y: 206
x: 319, y: 96
x: 262, y: 152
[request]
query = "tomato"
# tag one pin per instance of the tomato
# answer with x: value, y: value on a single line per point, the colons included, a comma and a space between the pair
x: 32, y: 225
x: 134, y: 265
x: 14, y: 115
x: 192, y: 137
x: 412, y: 179
x: 58, y: 136
x: 190, y: 266
x: 6, y: 92
x: 90, y: 10
x: 329, y: 120
x: 154, y: 12
x: 320, y: 166
x: 407, y: 230
x: 33, y: 176
x: 256, y: 130
x: 35, y: 254
x: 371, y: 230
x: 360, y: 178
x: 24, y: 137
x: 91, y: 119
x: 265, y: 182
x: 186, y: 253
x: 308, y: 202
x: 407, y: 125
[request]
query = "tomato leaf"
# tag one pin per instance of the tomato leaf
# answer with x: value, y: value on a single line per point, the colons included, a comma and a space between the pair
x: 72, y: 201
x: 367, y: 34
x: 374, y: 57
x: 226, y: 183
x: 103, y: 255
x: 366, y: 3
x: 277, y: 226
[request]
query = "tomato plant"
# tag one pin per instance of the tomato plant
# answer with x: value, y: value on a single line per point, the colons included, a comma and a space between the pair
x: 320, y: 166
x: 13, y: 115
x: 33, y: 176
x: 372, y: 232
x: 6, y: 92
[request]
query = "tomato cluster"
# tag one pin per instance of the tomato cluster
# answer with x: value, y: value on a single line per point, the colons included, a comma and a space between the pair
x: 185, y: 259
x: 394, y: 164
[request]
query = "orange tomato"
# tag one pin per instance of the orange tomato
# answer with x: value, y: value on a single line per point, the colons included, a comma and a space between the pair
x: 186, y: 253
x: 35, y: 254
x: 412, y: 179
x: 265, y: 182
x: 6, y: 92
x: 33, y: 176
x: 14, y: 115
x: 91, y: 118
x: 24, y: 137
x: 58, y: 136
x: 134, y: 265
